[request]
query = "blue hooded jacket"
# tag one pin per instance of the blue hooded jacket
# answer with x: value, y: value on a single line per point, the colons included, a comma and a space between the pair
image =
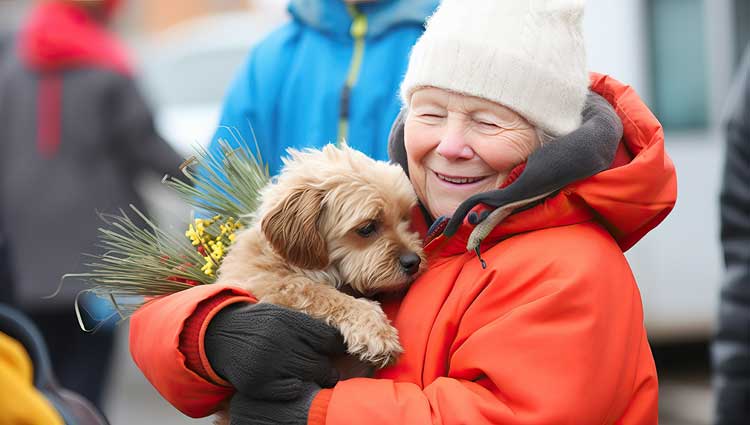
x: 332, y: 73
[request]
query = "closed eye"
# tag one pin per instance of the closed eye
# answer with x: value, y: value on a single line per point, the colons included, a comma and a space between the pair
x: 430, y: 113
x: 431, y: 118
x: 488, y: 127
x: 488, y: 124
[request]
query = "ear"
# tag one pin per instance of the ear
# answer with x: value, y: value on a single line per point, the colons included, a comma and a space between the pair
x: 292, y: 229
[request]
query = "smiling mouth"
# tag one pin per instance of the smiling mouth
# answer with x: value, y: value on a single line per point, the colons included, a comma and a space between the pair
x: 459, y: 180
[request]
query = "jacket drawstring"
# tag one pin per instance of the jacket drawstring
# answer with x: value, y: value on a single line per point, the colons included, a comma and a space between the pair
x: 496, y: 217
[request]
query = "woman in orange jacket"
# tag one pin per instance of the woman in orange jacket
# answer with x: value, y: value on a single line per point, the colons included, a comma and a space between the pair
x: 528, y: 312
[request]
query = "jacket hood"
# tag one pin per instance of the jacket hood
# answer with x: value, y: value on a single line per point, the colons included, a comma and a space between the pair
x: 333, y: 16
x: 629, y: 198
x: 640, y: 189
x: 60, y: 35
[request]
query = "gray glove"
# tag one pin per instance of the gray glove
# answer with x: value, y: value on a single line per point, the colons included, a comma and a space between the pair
x: 247, y: 411
x: 270, y: 352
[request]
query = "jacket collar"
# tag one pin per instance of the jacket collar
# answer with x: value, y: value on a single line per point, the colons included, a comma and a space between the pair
x: 333, y: 17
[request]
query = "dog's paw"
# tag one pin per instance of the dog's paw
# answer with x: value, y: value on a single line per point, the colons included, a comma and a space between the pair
x: 370, y: 337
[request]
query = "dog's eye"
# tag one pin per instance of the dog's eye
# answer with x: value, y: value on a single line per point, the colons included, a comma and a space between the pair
x: 368, y: 229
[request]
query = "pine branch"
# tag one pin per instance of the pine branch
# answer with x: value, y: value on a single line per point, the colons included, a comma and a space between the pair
x: 142, y: 263
x: 226, y: 184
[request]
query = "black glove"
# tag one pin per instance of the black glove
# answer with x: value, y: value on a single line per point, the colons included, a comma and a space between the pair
x: 267, y: 352
x: 247, y: 411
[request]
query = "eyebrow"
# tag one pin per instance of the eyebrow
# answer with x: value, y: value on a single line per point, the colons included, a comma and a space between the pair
x: 429, y: 101
x: 475, y: 106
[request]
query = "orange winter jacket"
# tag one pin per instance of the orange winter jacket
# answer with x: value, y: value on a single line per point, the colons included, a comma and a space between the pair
x: 550, y: 333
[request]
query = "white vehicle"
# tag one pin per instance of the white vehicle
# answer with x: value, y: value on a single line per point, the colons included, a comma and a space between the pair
x: 680, y: 57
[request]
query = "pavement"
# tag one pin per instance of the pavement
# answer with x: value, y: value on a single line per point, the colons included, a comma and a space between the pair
x: 685, y: 393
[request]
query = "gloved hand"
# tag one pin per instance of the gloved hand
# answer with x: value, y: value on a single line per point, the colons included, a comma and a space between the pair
x: 247, y: 411
x: 270, y: 352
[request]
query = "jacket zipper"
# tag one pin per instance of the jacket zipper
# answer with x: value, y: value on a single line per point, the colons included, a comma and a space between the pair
x: 358, y: 31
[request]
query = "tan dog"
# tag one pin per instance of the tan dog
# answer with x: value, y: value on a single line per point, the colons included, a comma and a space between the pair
x: 333, y: 219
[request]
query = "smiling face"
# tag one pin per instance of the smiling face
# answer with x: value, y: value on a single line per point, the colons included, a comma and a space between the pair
x: 458, y: 146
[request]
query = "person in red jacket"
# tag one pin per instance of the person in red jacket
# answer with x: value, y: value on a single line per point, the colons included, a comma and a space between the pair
x: 77, y: 135
x: 533, y: 177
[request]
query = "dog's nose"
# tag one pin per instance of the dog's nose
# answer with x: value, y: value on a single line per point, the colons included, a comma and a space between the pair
x: 410, y: 262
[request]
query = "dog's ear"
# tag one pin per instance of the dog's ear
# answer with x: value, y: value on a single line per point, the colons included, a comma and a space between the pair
x: 292, y: 229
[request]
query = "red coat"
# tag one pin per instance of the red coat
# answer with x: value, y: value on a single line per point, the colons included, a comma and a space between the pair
x: 550, y: 333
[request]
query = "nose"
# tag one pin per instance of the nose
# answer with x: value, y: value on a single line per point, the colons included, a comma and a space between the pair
x: 409, y: 262
x: 453, y: 144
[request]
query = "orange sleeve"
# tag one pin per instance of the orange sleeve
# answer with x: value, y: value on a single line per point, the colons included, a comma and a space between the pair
x: 575, y: 353
x: 155, y: 333
x: 319, y: 407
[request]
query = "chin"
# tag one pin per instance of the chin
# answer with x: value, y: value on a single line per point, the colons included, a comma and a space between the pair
x: 444, y: 210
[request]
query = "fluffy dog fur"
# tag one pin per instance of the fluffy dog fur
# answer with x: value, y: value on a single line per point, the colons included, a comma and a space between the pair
x: 333, y: 218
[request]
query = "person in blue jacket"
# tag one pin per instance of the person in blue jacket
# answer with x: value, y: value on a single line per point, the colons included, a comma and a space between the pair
x: 331, y: 74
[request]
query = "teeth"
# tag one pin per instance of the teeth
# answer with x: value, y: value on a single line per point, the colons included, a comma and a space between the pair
x: 461, y: 180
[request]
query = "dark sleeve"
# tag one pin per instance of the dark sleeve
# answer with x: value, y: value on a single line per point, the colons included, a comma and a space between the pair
x: 5, y: 56
x: 731, y: 351
x: 135, y: 134
x: 5, y: 43
x: 6, y: 285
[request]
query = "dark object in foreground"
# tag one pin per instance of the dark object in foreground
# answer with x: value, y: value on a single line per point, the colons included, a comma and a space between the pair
x: 74, y: 409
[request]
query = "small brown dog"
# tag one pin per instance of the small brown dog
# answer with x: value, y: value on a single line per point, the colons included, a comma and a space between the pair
x: 333, y: 219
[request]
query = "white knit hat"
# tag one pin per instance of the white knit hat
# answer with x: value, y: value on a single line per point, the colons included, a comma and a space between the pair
x: 527, y: 55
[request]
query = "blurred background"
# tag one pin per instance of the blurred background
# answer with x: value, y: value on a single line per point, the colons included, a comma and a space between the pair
x: 680, y: 55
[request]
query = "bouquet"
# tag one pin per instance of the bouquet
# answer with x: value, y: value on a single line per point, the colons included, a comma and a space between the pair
x: 140, y: 263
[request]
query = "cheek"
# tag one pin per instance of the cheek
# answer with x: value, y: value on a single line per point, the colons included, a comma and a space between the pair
x: 419, y: 140
x: 500, y: 158
x: 503, y: 154
x: 417, y: 143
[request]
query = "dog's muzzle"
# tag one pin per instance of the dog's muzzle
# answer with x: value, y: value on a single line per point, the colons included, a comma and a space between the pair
x: 410, y: 263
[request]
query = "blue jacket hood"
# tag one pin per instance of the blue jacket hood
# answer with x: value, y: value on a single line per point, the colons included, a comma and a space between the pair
x: 332, y: 16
